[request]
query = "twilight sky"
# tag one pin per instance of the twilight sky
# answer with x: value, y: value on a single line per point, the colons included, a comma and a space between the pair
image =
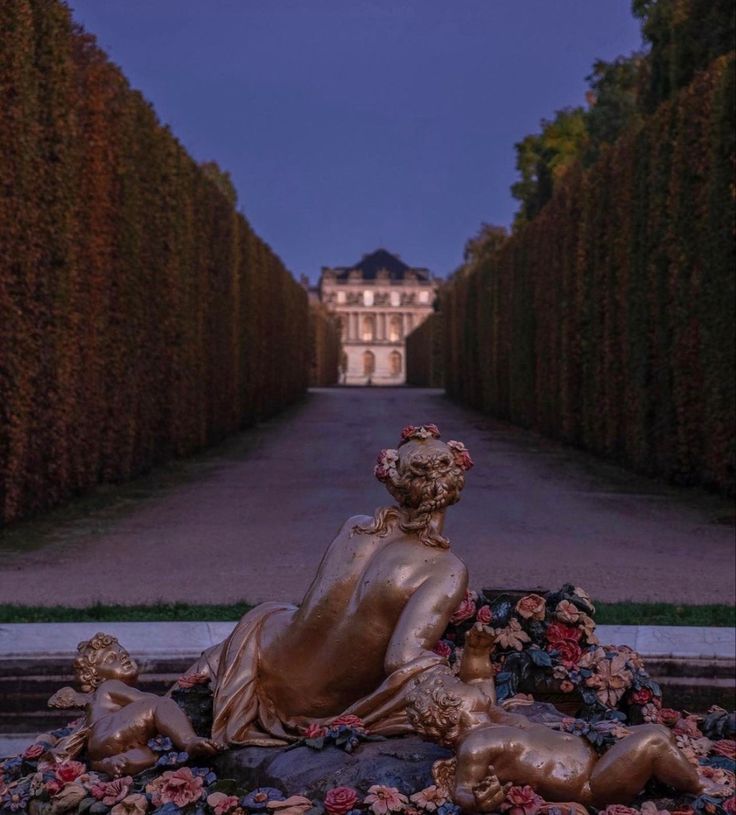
x: 352, y: 124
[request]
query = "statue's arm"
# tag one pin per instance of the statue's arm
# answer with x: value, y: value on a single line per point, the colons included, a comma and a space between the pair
x: 426, y: 616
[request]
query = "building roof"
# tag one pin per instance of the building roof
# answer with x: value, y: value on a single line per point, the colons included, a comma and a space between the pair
x: 371, y: 264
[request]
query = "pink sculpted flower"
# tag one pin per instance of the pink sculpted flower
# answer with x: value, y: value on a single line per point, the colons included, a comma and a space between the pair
x: 178, y: 787
x: 135, y: 804
x: 422, y: 431
x: 112, y: 792
x: 484, y: 615
x: 730, y: 805
x: 566, y: 686
x: 384, y: 799
x: 69, y: 771
x: 340, y: 800
x: 567, y: 612
x: 688, y: 726
x: 314, y: 731
x: 460, y: 455
x: 348, y: 720
x: 34, y: 751
x: 559, y: 632
x: 465, y: 610
x: 429, y: 798
x: 443, y: 649
x: 725, y: 747
x: 522, y: 801
x: 641, y: 696
x: 190, y: 680
x: 531, y: 607
x: 221, y: 803
x: 668, y: 716
x: 618, y: 809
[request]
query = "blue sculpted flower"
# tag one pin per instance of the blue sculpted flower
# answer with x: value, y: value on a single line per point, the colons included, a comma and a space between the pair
x: 206, y: 774
x: 161, y: 744
x: 448, y: 809
x: 708, y: 805
x: 259, y: 798
x: 173, y: 759
x: 11, y: 768
x: 16, y: 799
x: 167, y: 809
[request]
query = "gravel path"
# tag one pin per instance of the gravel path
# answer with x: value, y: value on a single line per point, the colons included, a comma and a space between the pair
x: 253, y: 525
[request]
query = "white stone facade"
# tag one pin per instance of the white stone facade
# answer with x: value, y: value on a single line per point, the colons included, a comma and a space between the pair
x: 378, y: 301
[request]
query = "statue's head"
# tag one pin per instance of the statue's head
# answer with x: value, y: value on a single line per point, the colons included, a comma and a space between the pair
x: 102, y: 658
x: 437, y: 708
x: 424, y: 475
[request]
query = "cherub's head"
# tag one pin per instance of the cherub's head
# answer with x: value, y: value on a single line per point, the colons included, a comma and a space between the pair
x: 441, y: 708
x: 103, y: 658
x: 424, y: 475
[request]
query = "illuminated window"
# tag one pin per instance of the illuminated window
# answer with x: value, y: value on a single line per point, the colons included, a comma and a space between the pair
x: 341, y: 297
x: 369, y: 328
x: 394, y: 361
x: 395, y: 298
x: 369, y: 363
x: 367, y: 298
x: 423, y: 296
x: 395, y: 328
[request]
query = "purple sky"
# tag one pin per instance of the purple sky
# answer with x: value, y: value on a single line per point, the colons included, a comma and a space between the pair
x: 352, y: 124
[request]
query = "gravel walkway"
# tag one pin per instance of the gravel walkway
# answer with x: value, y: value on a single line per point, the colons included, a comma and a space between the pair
x: 254, y: 524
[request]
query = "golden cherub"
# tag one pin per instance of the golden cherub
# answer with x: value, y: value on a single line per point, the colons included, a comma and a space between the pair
x: 495, y: 748
x: 120, y: 720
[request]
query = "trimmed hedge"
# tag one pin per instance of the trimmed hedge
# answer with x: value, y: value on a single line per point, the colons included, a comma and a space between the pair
x: 325, y: 344
x: 140, y: 315
x: 425, y: 354
x: 608, y: 320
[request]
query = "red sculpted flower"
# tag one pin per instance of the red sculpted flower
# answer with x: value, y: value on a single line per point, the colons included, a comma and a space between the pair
x: 725, y: 747
x: 68, y: 771
x: 531, y: 607
x: 348, y: 720
x: 484, y: 615
x: 559, y: 632
x: 34, y: 751
x: 465, y: 610
x: 421, y: 432
x: 340, y: 800
x: 314, y: 731
x: 668, y: 716
x: 522, y: 801
x: 566, y: 686
x: 460, y: 455
x: 569, y: 652
x: 191, y: 680
x: 729, y: 805
x: 641, y: 696
x: 443, y: 649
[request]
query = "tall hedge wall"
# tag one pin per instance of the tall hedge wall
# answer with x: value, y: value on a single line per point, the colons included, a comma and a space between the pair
x: 608, y: 320
x: 425, y: 354
x: 325, y: 346
x: 140, y: 315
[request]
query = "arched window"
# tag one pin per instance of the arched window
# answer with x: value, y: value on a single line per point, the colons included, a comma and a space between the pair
x: 394, y: 361
x: 369, y: 328
x: 395, y: 328
x: 369, y: 363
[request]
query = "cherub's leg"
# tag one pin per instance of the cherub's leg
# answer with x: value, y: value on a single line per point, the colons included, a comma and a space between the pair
x: 648, y: 753
x: 170, y: 720
x: 131, y: 762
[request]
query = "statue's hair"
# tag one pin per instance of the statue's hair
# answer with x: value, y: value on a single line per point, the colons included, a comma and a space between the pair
x: 88, y: 652
x: 434, y: 710
x: 422, y: 483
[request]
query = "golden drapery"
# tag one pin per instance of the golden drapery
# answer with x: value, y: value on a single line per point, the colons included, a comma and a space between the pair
x: 244, y: 715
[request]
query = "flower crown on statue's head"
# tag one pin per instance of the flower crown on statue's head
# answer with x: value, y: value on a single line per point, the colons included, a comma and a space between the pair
x: 386, y: 468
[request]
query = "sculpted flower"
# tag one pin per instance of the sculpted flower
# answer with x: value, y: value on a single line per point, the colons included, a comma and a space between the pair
x: 132, y: 805
x: 68, y: 798
x: 716, y: 778
x: 611, y: 679
x: 34, y: 751
x: 531, y: 607
x: 179, y: 787
x: 513, y: 636
x: 484, y: 615
x: 443, y: 649
x: 340, y: 800
x: 221, y: 803
x: 587, y: 625
x: 421, y: 432
x: 641, y: 696
x: 569, y: 652
x: 190, y: 680
x: 566, y: 686
x: 293, y: 805
x: 348, y: 720
x: 259, y: 798
x: 668, y: 716
x: 559, y: 632
x: 522, y: 801
x: 585, y: 597
x: 465, y: 610
x: 314, y: 731
x: 384, y: 799
x: 111, y: 792
x: 725, y: 747
x: 429, y: 798
x: 618, y: 809
x: 729, y: 805
x: 69, y: 771
x: 386, y: 465
x: 567, y: 612
x: 460, y: 455
x: 688, y: 726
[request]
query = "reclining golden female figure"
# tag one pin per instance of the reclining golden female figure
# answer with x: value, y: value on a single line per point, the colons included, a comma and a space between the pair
x: 495, y: 748
x: 120, y: 720
x: 385, y: 590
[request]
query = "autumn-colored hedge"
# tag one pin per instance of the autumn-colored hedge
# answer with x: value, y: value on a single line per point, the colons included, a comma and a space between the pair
x: 608, y: 320
x: 140, y: 315
x: 425, y: 354
x: 325, y: 346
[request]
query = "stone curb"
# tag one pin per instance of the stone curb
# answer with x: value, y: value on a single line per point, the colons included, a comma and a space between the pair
x: 189, y: 639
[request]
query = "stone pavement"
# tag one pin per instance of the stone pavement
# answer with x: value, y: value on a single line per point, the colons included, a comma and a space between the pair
x: 534, y: 514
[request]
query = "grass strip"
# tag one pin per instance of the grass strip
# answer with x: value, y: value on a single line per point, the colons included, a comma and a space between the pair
x: 717, y: 615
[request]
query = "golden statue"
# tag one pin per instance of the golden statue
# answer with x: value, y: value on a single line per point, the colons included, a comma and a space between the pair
x: 384, y: 592
x: 495, y: 748
x: 120, y: 720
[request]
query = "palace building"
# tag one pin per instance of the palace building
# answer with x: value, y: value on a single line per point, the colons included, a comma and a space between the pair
x: 378, y: 301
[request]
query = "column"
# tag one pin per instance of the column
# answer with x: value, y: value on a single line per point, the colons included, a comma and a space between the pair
x: 382, y: 334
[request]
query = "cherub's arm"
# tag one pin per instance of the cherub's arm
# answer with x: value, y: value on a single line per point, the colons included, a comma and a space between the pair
x: 426, y: 616
x: 475, y: 666
x: 66, y: 698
